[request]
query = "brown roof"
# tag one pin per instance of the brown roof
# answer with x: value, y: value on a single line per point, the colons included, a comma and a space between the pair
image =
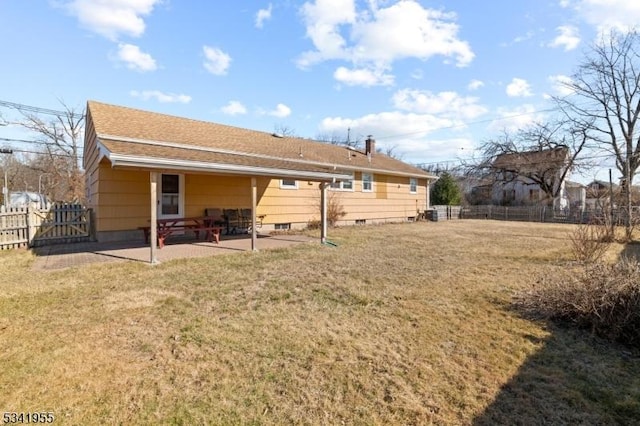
x: 133, y: 132
x: 531, y: 160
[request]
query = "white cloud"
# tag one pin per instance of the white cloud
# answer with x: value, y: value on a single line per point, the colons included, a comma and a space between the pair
x: 112, y: 18
x: 234, y: 108
x: 560, y: 85
x: 363, y: 77
x: 135, y: 59
x: 605, y: 15
x: 568, y: 38
x: 281, y: 111
x: 408, y: 134
x: 376, y: 37
x: 161, y: 96
x: 475, y: 84
x: 519, y: 39
x: 417, y: 74
x: 445, y: 104
x: 514, y: 119
x: 216, y: 61
x: 263, y: 15
x: 519, y: 88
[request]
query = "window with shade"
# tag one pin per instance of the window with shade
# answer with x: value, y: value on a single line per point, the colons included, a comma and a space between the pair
x: 367, y: 182
x: 170, y: 199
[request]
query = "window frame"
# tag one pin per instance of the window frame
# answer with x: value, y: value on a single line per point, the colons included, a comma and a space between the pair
x: 339, y: 186
x: 413, y: 185
x: 365, y: 181
x: 283, y: 185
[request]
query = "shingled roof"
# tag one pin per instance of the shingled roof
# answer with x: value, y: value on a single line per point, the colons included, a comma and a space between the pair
x: 126, y: 135
x: 532, y: 160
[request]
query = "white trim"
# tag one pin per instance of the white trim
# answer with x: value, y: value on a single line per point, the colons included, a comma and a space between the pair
x: 283, y: 186
x: 413, y: 182
x: 370, y: 181
x: 180, y: 197
x: 341, y: 184
x: 247, y: 154
x: 198, y: 166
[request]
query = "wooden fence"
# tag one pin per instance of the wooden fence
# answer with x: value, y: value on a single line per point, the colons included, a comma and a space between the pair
x: 37, y: 226
x: 543, y: 214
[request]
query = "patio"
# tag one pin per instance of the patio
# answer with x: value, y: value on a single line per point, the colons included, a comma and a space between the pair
x: 63, y: 256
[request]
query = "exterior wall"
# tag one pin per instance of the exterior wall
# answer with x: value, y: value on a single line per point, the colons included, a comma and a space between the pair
x: 91, y: 164
x: 521, y: 194
x: 389, y: 201
x: 121, y: 201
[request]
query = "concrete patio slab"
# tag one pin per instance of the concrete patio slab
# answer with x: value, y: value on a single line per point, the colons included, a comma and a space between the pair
x: 70, y: 255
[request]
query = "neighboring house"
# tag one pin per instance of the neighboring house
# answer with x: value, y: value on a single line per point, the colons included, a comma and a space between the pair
x: 197, y: 165
x: 521, y: 179
x: 576, y: 195
x: 599, y: 194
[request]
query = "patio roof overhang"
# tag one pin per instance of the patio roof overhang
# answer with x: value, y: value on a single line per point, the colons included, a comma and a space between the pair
x: 188, y: 159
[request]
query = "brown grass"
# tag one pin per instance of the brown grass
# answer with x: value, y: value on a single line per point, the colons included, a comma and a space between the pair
x: 399, y: 324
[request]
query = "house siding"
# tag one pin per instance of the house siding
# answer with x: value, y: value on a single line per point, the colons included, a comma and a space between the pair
x: 121, y: 201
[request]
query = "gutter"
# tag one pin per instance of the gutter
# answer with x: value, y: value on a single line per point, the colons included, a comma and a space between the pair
x: 118, y: 160
x: 261, y: 156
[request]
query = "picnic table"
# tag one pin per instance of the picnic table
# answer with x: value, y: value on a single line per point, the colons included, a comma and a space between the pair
x: 167, y: 227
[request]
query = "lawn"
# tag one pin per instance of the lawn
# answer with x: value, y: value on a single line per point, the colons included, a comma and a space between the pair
x: 398, y: 324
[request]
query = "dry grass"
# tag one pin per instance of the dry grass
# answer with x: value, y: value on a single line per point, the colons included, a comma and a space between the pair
x: 399, y: 324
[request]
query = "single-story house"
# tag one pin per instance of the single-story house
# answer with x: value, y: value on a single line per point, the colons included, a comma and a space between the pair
x: 142, y: 165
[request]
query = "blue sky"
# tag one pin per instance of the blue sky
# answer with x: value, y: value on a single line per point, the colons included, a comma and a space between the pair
x: 428, y: 79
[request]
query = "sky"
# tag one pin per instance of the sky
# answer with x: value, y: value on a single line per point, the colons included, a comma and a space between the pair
x: 429, y: 80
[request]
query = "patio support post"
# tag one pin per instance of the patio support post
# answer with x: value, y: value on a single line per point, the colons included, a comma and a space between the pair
x: 254, y: 204
x: 153, y: 234
x: 323, y: 212
x: 428, y: 194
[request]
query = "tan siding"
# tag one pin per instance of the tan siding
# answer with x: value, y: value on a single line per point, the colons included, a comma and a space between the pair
x: 124, y: 199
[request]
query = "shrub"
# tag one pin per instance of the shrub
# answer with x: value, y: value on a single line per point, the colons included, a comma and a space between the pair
x: 335, y: 211
x: 589, y: 242
x: 603, y: 298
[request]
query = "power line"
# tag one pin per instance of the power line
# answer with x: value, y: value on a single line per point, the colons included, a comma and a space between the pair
x: 25, y: 151
x: 34, y: 142
x: 38, y: 110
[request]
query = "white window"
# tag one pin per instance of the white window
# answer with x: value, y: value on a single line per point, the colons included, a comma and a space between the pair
x: 171, y: 196
x: 413, y: 185
x: 367, y: 182
x: 344, y: 185
x: 288, y: 184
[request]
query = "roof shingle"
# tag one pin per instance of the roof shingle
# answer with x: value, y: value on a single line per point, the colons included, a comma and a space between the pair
x: 119, y: 128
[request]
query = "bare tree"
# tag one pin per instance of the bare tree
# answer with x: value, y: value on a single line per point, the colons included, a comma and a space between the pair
x: 61, y: 139
x: 606, y: 103
x: 282, y: 130
x: 390, y: 151
x: 542, y: 154
x: 336, y: 138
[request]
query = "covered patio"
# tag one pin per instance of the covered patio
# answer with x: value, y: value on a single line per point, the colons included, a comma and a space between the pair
x: 62, y: 256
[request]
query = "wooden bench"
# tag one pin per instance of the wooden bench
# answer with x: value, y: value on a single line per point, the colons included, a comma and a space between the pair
x: 167, y: 227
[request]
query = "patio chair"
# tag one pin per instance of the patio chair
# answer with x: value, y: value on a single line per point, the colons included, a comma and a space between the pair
x: 216, y: 215
x: 232, y: 217
x: 245, y: 218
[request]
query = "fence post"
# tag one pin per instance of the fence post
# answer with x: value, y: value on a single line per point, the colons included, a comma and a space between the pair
x: 28, y: 223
